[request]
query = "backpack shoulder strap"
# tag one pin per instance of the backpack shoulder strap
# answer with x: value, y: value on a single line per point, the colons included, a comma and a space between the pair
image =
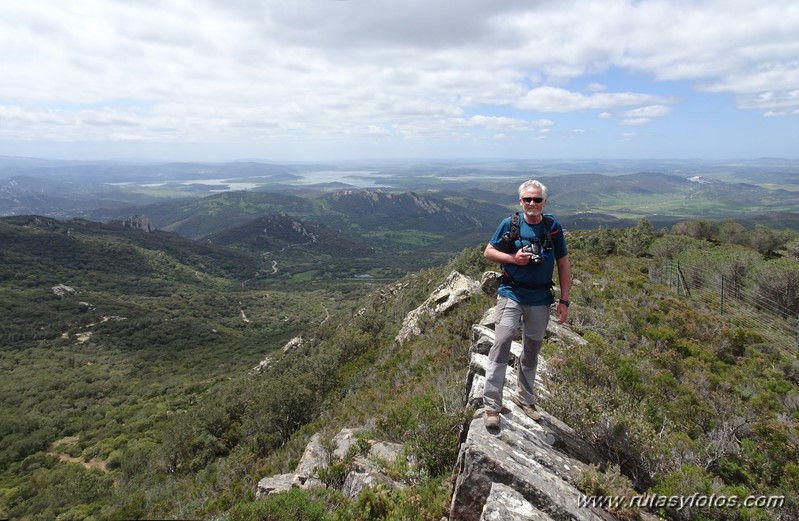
x: 549, y: 225
x: 514, y: 225
x: 509, y: 237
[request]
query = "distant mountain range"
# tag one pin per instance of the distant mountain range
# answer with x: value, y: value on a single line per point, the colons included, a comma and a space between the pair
x: 458, y: 199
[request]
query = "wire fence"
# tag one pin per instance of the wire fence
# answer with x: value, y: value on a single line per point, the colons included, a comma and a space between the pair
x: 742, y: 305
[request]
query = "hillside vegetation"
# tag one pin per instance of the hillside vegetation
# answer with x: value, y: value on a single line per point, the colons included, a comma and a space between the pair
x: 158, y: 414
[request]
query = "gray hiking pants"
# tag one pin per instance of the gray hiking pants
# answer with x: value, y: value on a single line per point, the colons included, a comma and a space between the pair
x: 508, y: 313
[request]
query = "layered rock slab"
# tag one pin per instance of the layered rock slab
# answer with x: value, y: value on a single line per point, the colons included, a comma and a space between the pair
x: 524, y: 469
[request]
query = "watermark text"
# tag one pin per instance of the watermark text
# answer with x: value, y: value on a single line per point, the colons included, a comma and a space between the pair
x: 680, y: 502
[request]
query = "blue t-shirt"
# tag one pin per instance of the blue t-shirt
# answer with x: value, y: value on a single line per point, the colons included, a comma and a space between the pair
x: 540, y: 274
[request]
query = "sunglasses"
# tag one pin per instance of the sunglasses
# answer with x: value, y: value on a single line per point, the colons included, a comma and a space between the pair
x: 536, y: 200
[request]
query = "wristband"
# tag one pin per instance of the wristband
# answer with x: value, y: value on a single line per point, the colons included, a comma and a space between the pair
x: 564, y: 302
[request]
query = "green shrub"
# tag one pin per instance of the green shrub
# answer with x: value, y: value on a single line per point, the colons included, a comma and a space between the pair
x: 611, y: 483
x: 333, y: 476
x: 292, y: 505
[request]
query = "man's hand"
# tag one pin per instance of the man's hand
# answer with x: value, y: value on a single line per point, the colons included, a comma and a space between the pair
x: 561, y: 313
x: 522, y: 258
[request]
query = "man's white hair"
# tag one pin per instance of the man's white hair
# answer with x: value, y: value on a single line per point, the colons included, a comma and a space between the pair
x: 532, y: 183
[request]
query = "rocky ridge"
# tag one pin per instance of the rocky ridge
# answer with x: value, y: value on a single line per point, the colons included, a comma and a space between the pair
x: 525, y: 470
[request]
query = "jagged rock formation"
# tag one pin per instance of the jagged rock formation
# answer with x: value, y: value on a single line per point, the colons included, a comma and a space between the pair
x: 295, y: 343
x: 452, y: 292
x: 139, y: 222
x: 539, y: 462
x: 61, y: 290
x: 525, y: 470
x: 363, y: 470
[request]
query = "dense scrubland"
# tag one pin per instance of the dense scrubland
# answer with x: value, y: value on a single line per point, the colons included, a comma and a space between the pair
x: 133, y: 396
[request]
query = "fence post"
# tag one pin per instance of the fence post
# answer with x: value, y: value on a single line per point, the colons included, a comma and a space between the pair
x: 681, y: 280
x: 721, y: 307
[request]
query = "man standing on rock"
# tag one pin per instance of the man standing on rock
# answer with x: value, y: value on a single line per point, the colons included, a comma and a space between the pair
x: 528, y: 249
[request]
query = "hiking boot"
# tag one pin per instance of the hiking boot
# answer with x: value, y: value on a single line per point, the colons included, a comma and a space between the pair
x: 491, y: 419
x: 529, y: 410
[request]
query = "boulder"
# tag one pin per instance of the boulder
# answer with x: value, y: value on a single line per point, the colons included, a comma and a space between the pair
x: 448, y: 295
x: 363, y: 471
x: 61, y: 290
x: 314, y: 457
x: 274, y: 484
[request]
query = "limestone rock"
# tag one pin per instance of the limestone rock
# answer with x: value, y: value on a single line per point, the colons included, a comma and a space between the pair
x: 452, y: 292
x: 294, y: 343
x: 62, y: 290
x: 363, y: 471
x: 274, y: 485
x: 489, y: 282
x: 314, y: 458
x: 342, y: 442
x: 505, y: 504
x: 139, y: 222
x: 262, y: 366
x: 524, y: 470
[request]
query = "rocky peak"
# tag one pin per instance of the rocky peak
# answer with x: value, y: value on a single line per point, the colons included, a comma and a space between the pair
x: 139, y: 222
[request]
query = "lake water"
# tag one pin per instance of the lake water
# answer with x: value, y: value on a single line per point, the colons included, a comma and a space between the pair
x: 356, y: 178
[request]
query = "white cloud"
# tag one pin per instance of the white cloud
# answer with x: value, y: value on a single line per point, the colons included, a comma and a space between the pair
x: 508, y: 124
x: 553, y: 99
x: 771, y: 99
x: 269, y: 70
x: 650, y: 111
x: 635, y: 121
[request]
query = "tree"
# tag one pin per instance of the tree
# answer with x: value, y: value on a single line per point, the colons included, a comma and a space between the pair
x: 701, y: 229
x: 638, y: 239
x: 669, y: 246
x: 732, y: 232
x: 791, y: 250
x: 766, y: 240
x: 601, y: 244
x: 777, y: 282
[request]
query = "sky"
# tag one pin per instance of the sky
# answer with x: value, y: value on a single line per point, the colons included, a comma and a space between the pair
x: 321, y: 80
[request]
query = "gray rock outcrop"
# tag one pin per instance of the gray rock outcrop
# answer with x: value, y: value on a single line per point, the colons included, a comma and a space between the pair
x: 539, y: 461
x: 525, y: 470
x: 61, y: 290
x: 139, y: 222
x: 362, y: 470
x: 295, y: 343
x: 448, y: 295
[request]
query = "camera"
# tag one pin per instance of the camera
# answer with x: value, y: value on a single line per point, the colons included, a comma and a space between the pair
x: 535, y: 249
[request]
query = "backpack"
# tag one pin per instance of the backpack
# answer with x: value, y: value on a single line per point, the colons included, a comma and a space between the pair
x: 510, y: 237
x: 508, y: 243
